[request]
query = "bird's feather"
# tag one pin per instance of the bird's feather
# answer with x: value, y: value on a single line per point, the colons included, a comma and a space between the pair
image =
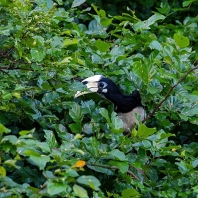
x: 127, y: 106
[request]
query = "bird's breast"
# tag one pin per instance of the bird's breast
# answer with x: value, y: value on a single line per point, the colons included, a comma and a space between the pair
x: 129, y: 118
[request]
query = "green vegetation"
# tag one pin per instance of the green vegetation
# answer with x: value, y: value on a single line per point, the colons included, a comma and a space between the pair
x: 53, y: 146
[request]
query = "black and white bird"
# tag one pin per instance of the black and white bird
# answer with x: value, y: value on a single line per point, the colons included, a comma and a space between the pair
x: 126, y: 106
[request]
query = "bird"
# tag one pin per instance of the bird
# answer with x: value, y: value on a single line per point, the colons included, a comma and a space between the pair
x: 126, y: 106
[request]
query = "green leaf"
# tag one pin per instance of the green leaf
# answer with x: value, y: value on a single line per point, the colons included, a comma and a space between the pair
x: 194, y: 120
x: 72, y: 173
x: 152, y: 173
x: 181, y: 40
x: 105, y: 114
x: 76, y: 113
x: 190, y: 111
x: 102, y: 46
x: 6, y: 95
x: 25, y: 132
x: 195, y: 163
x: 144, y: 131
x: 66, y: 60
x: 39, y: 161
x: 51, y: 97
x: 3, y: 129
x: 117, y: 51
x: 79, y: 191
x: 187, y: 3
x: 68, y: 42
x: 50, y: 4
x: 89, y: 181
x: 76, y: 127
x: 144, y: 71
x: 154, y: 87
x: 95, y: 28
x: 100, y: 13
x: 54, y: 188
x: 130, y: 193
x: 118, y: 154
x: 10, y: 138
x: 12, y: 163
x: 116, y: 125
x: 105, y: 21
x: 38, y: 54
x: 91, y: 145
x: 77, y: 3
x: 51, y: 139
x: 155, y: 45
x: 30, y: 152
x: 147, y: 23
x: 182, y: 167
x: 123, y: 166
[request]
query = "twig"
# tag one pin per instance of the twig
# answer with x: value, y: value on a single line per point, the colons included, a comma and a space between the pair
x: 42, y: 187
x: 8, y: 52
x: 168, y: 94
x: 114, y: 168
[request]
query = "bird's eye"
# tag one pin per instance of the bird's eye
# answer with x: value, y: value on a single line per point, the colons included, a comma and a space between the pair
x: 101, y: 85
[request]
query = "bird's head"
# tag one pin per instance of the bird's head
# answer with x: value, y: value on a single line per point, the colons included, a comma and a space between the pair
x: 101, y: 85
x: 106, y: 88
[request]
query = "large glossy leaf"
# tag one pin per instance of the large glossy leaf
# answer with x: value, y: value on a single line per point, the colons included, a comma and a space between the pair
x: 80, y: 192
x: 181, y: 40
x: 117, y: 154
x: 76, y: 113
x: 130, y: 193
x: 102, y: 46
x: 89, y: 181
x: 38, y: 54
x: 147, y: 23
x: 3, y: 129
x: 77, y: 3
x: 144, y: 132
x: 54, y: 188
x: 39, y: 161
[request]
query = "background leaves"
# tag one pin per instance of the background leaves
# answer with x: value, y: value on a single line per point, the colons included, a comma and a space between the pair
x: 54, y: 145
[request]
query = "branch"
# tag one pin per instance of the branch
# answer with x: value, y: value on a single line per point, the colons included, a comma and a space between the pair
x: 8, y: 52
x: 114, y: 168
x: 168, y: 94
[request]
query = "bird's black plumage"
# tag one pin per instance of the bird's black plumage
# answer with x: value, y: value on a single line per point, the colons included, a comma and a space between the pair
x: 125, y: 105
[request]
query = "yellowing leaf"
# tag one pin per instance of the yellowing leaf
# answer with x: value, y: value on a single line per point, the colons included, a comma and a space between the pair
x: 183, y: 153
x: 17, y: 95
x: 12, y: 163
x: 181, y: 40
x: 70, y: 42
x: 80, y: 164
x: 3, y: 129
x: 2, y: 171
x: 102, y: 46
x: 66, y: 60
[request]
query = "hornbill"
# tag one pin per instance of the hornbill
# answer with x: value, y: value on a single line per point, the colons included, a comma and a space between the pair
x: 126, y: 106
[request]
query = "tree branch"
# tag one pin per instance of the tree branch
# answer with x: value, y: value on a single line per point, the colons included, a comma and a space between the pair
x: 168, y: 94
x: 114, y: 168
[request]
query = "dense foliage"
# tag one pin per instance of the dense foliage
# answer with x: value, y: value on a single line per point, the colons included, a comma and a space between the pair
x: 54, y: 146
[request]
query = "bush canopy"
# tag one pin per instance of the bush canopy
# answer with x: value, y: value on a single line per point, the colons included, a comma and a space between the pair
x: 52, y: 145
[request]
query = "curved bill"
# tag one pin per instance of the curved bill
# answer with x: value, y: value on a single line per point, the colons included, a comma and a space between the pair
x: 91, y: 84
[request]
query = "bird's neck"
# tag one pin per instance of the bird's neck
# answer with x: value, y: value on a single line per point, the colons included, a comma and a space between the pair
x: 123, y: 103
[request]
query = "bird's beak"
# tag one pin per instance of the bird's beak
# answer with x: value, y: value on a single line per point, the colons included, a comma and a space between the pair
x: 91, y: 84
